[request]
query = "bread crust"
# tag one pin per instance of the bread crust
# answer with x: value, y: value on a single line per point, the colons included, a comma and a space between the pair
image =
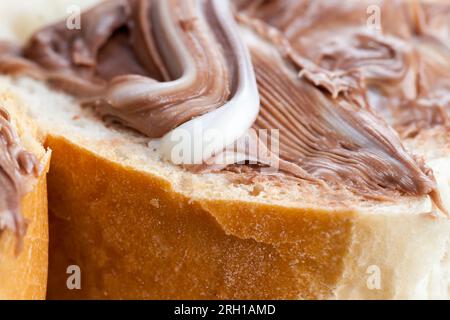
x: 24, y: 276
x: 134, y: 237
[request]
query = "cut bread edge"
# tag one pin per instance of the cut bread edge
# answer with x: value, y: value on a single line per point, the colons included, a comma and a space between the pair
x: 24, y: 273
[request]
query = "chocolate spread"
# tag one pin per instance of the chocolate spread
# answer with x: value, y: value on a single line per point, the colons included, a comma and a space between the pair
x: 334, y: 85
x: 16, y: 166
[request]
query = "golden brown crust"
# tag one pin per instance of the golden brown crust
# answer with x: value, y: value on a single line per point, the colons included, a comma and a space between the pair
x: 24, y: 277
x: 134, y: 237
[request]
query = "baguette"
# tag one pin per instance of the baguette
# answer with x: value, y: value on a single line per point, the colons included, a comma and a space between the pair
x: 24, y: 257
x: 140, y: 227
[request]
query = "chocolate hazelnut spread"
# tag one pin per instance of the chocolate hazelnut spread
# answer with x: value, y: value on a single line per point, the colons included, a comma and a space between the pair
x: 404, y: 62
x: 16, y: 166
x: 140, y: 62
x: 335, y: 86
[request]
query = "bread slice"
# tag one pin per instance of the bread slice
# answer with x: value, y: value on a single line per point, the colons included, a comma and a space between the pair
x: 141, y: 228
x: 23, y: 270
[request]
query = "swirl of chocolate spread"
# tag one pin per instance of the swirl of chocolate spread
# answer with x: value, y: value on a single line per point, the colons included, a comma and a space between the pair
x: 16, y: 165
x: 333, y: 85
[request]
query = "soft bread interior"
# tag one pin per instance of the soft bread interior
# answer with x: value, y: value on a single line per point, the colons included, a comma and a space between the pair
x: 406, y: 238
x: 24, y: 126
